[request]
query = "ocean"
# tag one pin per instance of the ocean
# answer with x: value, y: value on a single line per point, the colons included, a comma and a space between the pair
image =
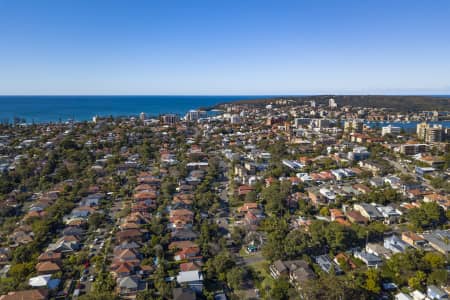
x: 40, y: 109
x: 409, y: 127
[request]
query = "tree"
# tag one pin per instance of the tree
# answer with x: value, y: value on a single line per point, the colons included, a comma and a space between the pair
x: 405, y: 265
x: 337, y: 237
x: 251, y: 196
x: 146, y: 295
x: 332, y: 287
x: 296, y: 243
x: 235, y: 278
x: 373, y: 280
x: 417, y: 281
x: 435, y: 260
x: 438, y: 277
x: 324, y: 211
x: 280, y: 289
x: 104, y: 283
x: 95, y: 220
x: 429, y: 214
x: 20, y: 272
x: 159, y: 279
x: 277, y: 230
x: 274, y: 197
x: 99, y: 296
x: 219, y: 265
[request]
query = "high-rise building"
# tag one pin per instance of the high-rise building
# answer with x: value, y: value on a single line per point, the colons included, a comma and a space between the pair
x: 320, y: 123
x: 358, y: 153
x: 390, y: 130
x: 353, y: 126
x: 421, y: 130
x: 170, y: 119
x: 194, y: 115
x: 413, y: 149
x: 235, y: 119
x: 299, y: 122
x: 332, y: 103
x: 430, y: 133
x: 434, y: 134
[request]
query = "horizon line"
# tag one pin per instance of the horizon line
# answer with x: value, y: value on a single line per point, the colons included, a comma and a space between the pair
x: 224, y: 95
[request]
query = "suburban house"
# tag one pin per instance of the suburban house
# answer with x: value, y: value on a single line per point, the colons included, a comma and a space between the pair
x: 54, y: 257
x: 369, y: 211
x: 413, y: 239
x: 193, y: 279
x: 47, y: 267
x: 327, y: 265
x: 129, y: 235
x: 378, y: 250
x: 438, y: 239
x: 371, y: 260
x: 35, y: 294
x: 128, y: 285
x: 395, y: 244
x: 343, y: 258
x: 356, y: 217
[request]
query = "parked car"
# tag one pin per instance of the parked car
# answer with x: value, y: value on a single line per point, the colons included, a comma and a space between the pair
x: 76, y: 293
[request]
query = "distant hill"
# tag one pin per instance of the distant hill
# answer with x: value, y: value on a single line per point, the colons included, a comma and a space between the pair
x: 398, y: 103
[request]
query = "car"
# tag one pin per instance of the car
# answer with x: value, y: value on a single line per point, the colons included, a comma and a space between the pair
x: 83, y: 278
x: 76, y: 293
x: 86, y: 271
x: 91, y: 278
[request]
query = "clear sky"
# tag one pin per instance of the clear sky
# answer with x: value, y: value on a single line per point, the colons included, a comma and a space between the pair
x: 224, y: 47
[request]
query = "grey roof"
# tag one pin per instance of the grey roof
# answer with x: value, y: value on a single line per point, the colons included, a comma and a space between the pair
x: 129, y: 282
x: 439, y: 238
x: 73, y: 231
x: 302, y: 274
x: 279, y: 266
x: 326, y: 264
x: 434, y: 291
x: 189, y: 276
x: 127, y: 245
x: 368, y: 257
x: 184, y: 234
x: 371, y: 210
x: 394, y: 243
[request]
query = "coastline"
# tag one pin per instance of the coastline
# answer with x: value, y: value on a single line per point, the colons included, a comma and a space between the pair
x: 51, y: 109
x: 46, y: 109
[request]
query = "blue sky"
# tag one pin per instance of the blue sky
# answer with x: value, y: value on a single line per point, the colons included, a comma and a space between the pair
x: 224, y: 47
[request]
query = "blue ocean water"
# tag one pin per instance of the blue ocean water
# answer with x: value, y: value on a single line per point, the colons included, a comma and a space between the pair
x: 79, y: 108
x: 407, y: 126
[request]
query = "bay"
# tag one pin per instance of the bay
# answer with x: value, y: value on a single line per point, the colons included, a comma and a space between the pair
x: 80, y: 108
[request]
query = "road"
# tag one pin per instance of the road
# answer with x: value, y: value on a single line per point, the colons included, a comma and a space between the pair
x: 252, y: 259
x: 405, y: 171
